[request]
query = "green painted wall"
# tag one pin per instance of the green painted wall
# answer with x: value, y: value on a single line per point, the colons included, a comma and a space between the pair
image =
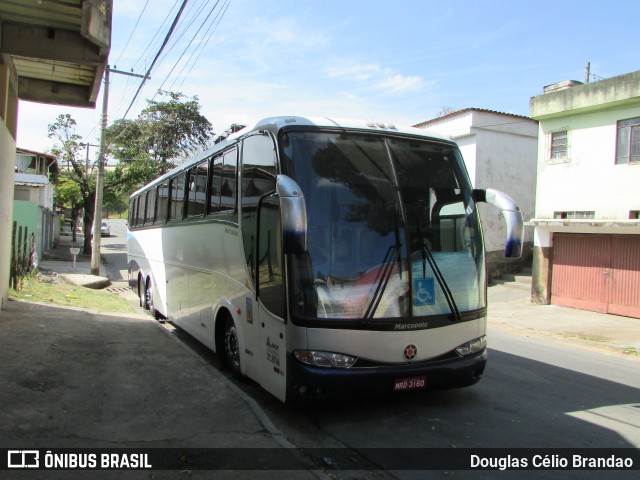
x: 26, y: 214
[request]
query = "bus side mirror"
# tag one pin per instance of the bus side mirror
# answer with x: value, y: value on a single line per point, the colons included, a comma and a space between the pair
x: 512, y: 216
x: 293, y: 212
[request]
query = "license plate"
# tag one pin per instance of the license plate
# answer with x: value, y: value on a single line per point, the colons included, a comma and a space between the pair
x: 411, y: 383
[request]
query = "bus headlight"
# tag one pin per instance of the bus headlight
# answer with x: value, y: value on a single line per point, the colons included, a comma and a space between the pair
x: 472, y: 347
x: 324, y: 359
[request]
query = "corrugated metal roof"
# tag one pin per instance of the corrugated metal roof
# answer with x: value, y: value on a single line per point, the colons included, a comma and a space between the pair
x: 65, y: 14
x: 466, y: 110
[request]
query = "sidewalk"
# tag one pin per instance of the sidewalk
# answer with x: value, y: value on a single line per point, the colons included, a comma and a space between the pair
x: 75, y: 379
x: 510, y: 308
x: 61, y: 260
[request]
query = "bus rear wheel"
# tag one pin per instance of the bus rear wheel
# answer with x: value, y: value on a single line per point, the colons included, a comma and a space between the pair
x: 142, y: 293
x: 148, y: 293
x: 230, y: 346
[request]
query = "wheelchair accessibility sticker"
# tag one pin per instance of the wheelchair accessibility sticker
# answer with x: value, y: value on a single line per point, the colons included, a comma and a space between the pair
x: 423, y: 292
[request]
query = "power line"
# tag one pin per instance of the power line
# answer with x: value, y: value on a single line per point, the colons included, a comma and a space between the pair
x: 132, y: 32
x: 202, y: 44
x: 164, y: 44
x: 211, y: 29
x: 150, y: 45
x: 184, y: 12
x: 186, y: 27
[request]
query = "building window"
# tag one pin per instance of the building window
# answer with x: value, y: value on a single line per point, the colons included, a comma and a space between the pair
x: 559, y: 145
x: 634, y: 214
x: 628, y: 143
x: 574, y: 215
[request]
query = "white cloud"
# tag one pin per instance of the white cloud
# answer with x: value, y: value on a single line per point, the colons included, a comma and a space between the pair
x: 375, y: 77
x: 353, y: 71
x: 401, y: 84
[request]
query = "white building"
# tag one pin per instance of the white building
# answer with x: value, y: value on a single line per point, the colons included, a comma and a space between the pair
x: 587, y: 235
x: 500, y: 152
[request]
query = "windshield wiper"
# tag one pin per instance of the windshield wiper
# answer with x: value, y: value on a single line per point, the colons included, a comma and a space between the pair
x: 428, y: 256
x: 384, y: 274
x: 382, y: 278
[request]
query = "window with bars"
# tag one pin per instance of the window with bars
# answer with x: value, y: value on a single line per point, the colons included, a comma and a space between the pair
x: 559, y: 145
x: 628, y: 141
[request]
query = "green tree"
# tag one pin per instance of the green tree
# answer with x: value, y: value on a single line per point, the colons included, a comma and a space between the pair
x: 68, y: 194
x: 115, y: 202
x: 164, y: 134
x: 69, y: 151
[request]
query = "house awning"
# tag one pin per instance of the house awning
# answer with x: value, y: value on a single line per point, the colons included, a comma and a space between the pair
x: 586, y: 225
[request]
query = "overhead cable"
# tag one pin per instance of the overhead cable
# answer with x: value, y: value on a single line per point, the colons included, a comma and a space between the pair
x: 164, y: 44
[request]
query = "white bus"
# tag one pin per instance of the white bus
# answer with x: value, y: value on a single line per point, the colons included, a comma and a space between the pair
x: 318, y: 256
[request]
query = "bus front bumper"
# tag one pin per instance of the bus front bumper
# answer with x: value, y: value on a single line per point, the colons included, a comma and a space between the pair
x: 307, y: 381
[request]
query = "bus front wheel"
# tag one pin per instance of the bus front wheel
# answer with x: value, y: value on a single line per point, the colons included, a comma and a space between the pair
x: 231, y: 347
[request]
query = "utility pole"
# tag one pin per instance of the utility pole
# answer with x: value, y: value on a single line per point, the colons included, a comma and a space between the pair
x: 587, y: 74
x: 97, y: 214
x: 86, y: 161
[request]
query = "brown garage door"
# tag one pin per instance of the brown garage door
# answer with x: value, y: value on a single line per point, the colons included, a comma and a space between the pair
x: 597, y: 272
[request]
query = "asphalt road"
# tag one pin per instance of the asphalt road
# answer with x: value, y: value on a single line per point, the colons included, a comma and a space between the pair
x: 114, y: 251
x: 535, y: 394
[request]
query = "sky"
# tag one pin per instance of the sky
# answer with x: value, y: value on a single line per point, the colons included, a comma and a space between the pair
x: 400, y: 61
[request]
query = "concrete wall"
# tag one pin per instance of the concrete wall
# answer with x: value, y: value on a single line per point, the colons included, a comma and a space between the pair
x: 26, y: 193
x: 7, y: 167
x: 612, y: 92
x: 35, y: 188
x: 8, y: 126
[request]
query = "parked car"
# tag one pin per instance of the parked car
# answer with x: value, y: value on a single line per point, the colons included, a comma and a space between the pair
x: 105, y: 230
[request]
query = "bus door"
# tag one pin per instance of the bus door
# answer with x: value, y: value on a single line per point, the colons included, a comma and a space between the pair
x: 260, y: 224
x: 271, y: 298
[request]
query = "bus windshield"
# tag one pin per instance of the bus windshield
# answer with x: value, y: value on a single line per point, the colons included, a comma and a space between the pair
x: 392, y: 229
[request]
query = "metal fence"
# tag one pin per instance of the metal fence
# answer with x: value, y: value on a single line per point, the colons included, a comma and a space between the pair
x: 22, y: 255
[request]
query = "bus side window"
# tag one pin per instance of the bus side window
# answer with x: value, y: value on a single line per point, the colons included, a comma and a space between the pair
x: 197, y: 185
x: 201, y: 187
x: 177, y: 197
x: 140, y: 210
x: 172, y: 203
x: 151, y: 207
x: 136, y: 205
x: 229, y: 175
x: 132, y: 203
x: 163, y: 203
x: 215, y: 184
x: 258, y: 178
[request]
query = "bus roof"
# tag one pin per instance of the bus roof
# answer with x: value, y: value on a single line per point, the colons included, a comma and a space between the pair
x: 275, y: 124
